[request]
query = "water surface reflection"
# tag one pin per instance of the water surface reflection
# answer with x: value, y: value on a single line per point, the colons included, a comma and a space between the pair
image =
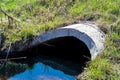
x: 42, y: 72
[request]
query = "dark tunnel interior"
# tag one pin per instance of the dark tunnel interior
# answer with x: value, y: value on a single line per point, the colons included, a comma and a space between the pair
x: 67, y: 48
x: 64, y: 48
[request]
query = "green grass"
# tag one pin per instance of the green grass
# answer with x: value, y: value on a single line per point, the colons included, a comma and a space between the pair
x: 34, y: 17
x: 12, y: 4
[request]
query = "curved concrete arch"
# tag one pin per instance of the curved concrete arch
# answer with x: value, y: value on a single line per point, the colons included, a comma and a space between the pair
x: 90, y: 34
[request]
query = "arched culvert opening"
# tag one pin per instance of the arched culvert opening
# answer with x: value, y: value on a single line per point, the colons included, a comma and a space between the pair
x: 66, y: 48
x: 89, y: 34
x: 67, y: 51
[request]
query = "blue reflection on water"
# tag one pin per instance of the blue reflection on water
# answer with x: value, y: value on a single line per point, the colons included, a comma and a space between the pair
x: 42, y: 72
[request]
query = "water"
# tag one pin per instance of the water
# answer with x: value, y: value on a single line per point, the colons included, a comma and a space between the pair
x: 42, y: 72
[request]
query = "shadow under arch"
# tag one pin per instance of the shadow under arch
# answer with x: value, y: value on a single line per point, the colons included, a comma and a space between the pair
x: 67, y: 51
x: 59, y: 33
x: 67, y: 48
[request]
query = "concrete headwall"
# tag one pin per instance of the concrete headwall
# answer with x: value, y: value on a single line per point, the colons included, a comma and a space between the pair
x: 90, y: 34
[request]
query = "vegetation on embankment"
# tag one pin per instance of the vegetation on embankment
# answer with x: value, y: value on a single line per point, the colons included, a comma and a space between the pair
x: 23, y: 19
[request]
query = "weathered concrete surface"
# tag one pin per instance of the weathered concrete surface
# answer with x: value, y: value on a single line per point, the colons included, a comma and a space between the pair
x: 90, y: 34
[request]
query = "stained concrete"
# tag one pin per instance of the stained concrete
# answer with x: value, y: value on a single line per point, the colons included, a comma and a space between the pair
x: 89, y: 34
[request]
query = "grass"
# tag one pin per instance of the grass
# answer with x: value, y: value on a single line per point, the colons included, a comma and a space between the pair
x: 33, y: 17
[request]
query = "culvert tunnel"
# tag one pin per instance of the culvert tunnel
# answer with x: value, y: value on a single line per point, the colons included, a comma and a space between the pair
x: 76, y: 43
x: 68, y: 51
x: 67, y: 48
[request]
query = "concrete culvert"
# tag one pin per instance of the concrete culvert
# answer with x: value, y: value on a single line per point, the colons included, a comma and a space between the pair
x: 89, y: 34
x: 77, y: 43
